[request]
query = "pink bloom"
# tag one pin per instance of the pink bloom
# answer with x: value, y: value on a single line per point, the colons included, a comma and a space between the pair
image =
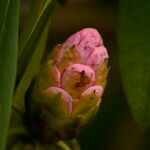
x: 89, y: 44
x: 73, y: 72
x: 75, y: 76
x: 64, y: 95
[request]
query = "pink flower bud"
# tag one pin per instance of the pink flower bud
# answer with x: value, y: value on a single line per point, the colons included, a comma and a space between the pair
x: 97, y: 89
x: 73, y: 79
x: 94, y: 89
x: 88, y: 42
x: 63, y: 94
x: 77, y: 78
x: 98, y: 55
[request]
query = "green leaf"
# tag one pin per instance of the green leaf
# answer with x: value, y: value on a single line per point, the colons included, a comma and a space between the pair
x: 134, y: 56
x: 39, y: 15
x: 34, y: 63
x: 9, y: 18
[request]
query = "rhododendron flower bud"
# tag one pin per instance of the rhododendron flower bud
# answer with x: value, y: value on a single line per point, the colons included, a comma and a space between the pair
x: 69, y: 87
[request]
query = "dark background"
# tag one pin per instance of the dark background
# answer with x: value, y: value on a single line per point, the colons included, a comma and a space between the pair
x: 114, y: 127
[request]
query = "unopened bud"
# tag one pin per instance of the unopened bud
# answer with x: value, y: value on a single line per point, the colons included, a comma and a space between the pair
x: 69, y: 86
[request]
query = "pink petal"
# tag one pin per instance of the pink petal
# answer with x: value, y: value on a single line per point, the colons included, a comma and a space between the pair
x: 65, y: 96
x: 97, y: 89
x: 79, y: 68
x: 85, y: 42
x: 77, y: 78
x: 98, y: 55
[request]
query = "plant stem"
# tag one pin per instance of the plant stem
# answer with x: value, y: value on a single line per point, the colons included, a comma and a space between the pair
x: 75, y: 144
x: 63, y: 145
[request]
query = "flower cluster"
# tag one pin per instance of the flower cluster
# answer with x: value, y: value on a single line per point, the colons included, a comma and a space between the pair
x: 69, y: 86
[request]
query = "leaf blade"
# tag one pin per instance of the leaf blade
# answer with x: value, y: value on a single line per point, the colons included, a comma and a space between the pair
x: 9, y: 18
x: 30, y: 43
x: 34, y: 62
x: 133, y: 40
x: 31, y: 70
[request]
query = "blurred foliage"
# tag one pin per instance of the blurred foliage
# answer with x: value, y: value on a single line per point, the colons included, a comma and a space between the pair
x: 134, y: 56
x: 32, y: 43
x: 9, y: 20
x: 39, y: 15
